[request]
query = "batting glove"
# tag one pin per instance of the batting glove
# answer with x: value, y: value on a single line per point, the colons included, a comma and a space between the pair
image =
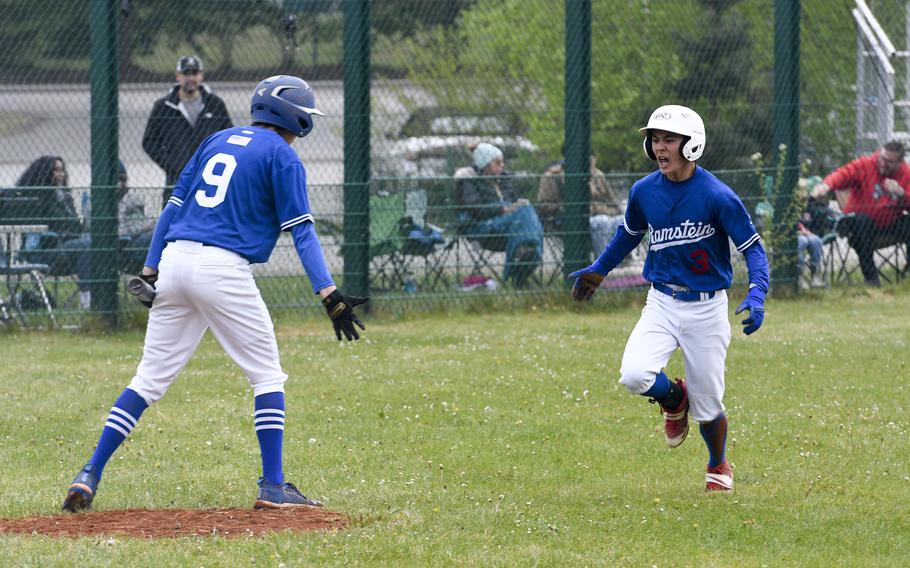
x: 587, y: 281
x: 340, y: 309
x: 755, y: 303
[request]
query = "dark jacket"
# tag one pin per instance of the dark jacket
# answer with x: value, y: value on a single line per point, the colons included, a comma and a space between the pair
x: 483, y: 197
x: 45, y: 203
x: 60, y: 208
x: 170, y: 139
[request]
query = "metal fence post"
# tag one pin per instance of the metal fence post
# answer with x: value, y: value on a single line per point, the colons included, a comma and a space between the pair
x: 104, y: 124
x: 786, y: 132
x: 356, y: 146
x: 577, y: 134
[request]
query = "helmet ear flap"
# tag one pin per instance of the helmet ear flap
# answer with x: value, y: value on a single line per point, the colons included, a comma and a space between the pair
x: 306, y: 125
x: 649, y: 149
x: 683, y: 147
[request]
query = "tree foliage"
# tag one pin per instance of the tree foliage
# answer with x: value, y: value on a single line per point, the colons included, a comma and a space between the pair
x: 719, y: 81
x: 714, y: 55
x: 481, y: 64
x: 404, y: 18
x: 196, y: 28
x: 39, y: 34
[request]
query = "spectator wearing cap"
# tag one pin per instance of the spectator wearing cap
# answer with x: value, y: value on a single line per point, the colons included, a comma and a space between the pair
x: 492, y: 213
x: 181, y: 120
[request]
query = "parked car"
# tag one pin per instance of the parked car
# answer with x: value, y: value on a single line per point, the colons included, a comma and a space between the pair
x: 435, y: 142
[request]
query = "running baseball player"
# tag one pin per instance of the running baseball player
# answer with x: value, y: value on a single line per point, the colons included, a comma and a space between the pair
x: 242, y: 187
x: 689, y: 216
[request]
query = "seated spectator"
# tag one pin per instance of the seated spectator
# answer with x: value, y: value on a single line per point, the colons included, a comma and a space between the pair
x: 815, y: 218
x: 56, y: 208
x: 135, y: 229
x: 606, y: 213
x: 878, y: 198
x: 819, y: 216
x: 492, y: 213
x: 808, y: 242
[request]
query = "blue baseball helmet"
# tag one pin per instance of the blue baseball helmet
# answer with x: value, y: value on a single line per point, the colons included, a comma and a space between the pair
x: 285, y: 101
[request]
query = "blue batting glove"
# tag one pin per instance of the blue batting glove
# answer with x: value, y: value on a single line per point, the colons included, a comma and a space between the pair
x: 587, y: 281
x: 755, y: 303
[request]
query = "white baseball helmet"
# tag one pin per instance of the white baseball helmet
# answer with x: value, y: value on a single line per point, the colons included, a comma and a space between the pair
x: 679, y: 120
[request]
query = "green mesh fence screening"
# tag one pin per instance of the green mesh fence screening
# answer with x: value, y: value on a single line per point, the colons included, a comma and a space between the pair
x: 445, y: 75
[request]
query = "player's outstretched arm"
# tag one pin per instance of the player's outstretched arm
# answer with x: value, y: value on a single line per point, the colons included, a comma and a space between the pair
x: 339, y: 307
x: 588, y: 279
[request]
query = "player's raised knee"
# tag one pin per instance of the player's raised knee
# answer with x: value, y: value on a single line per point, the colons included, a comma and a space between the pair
x: 635, y: 379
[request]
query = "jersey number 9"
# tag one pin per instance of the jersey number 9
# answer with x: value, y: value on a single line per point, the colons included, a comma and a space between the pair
x: 219, y: 181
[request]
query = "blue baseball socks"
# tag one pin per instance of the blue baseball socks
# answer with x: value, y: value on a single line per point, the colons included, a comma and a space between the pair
x: 120, y: 422
x: 664, y: 391
x: 715, y: 435
x: 269, y: 422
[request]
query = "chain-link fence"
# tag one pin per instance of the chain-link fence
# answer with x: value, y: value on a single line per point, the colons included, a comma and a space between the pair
x: 444, y: 76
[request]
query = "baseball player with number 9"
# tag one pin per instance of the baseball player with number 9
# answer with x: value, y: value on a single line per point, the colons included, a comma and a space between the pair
x: 242, y: 187
x: 690, y: 216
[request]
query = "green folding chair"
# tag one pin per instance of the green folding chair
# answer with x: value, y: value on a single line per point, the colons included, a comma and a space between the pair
x: 402, y: 251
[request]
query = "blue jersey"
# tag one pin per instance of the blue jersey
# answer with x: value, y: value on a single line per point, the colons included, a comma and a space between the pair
x: 242, y: 187
x: 689, y: 225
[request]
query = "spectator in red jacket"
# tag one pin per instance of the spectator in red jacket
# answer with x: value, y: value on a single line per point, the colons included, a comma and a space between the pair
x: 878, y: 189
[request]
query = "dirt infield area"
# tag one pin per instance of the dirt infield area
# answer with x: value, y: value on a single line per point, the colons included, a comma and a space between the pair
x: 170, y: 523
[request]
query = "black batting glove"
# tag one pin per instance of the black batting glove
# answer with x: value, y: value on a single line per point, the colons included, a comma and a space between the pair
x: 340, y: 309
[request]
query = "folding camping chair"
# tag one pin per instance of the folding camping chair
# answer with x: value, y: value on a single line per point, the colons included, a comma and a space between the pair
x: 890, y: 256
x: 402, y: 246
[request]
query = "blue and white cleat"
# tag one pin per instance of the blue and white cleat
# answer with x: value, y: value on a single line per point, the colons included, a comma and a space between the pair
x: 82, y: 490
x: 281, y: 496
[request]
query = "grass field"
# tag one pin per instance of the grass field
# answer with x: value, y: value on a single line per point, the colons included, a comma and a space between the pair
x: 497, y: 440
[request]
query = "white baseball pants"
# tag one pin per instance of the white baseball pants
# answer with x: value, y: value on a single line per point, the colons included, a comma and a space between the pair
x: 201, y: 287
x: 700, y: 329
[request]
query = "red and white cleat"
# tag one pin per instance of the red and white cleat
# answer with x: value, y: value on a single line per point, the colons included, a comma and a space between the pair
x: 719, y: 478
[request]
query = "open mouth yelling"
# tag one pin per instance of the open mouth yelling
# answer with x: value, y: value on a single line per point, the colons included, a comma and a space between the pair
x: 663, y: 162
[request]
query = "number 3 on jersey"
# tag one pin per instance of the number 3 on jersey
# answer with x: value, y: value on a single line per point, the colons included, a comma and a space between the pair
x: 219, y: 181
x: 700, y: 256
